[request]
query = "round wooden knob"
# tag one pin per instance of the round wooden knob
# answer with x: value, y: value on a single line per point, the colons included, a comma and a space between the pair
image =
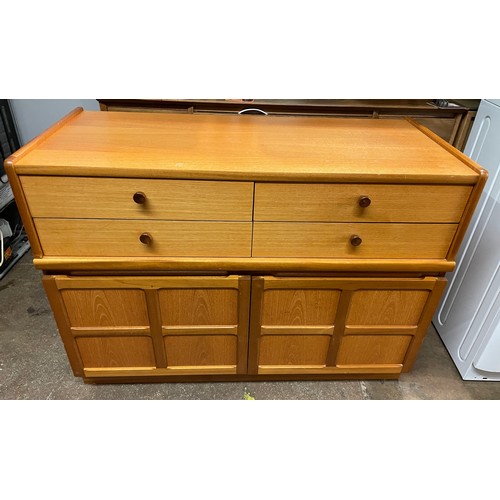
x: 356, y: 240
x: 139, y: 198
x: 146, y: 239
x: 364, y: 201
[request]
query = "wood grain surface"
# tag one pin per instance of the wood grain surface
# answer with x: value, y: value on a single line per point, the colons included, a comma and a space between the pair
x: 187, y: 323
x: 300, y: 307
x: 358, y: 322
x: 105, y: 193
x: 243, y: 148
x: 332, y: 240
x: 199, y: 307
x: 217, y: 265
x: 386, y: 307
x: 116, y: 352
x: 202, y: 351
x: 105, y: 308
x: 373, y: 349
x: 121, y: 238
x: 340, y: 202
x: 98, y: 198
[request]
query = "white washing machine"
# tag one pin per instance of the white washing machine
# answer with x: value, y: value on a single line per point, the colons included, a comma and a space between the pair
x: 468, y: 317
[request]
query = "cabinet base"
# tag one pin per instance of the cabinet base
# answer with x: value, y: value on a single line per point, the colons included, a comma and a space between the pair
x: 238, y: 378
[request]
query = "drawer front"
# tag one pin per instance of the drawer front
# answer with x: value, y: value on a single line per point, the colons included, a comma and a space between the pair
x: 341, y: 202
x: 121, y: 238
x: 99, y: 198
x: 379, y: 241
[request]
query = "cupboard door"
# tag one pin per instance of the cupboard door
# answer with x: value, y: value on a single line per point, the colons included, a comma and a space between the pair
x: 151, y: 326
x: 336, y: 325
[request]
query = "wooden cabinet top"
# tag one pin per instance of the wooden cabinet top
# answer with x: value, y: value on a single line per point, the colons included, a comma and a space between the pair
x: 268, y: 148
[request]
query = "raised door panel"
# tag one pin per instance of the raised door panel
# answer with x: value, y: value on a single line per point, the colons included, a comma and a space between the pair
x: 199, y: 306
x: 386, y: 307
x: 103, y: 308
x: 294, y: 351
x: 373, y: 350
x: 299, y: 307
x: 198, y: 351
x: 116, y: 352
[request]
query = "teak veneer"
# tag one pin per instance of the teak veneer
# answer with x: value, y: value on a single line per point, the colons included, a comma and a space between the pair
x: 205, y: 247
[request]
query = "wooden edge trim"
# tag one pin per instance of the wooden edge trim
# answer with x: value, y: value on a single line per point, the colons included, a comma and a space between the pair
x: 467, y: 217
x: 141, y: 283
x: 174, y: 370
x: 256, y: 300
x: 154, y: 314
x: 350, y: 284
x: 297, y: 330
x: 114, y: 370
x: 68, y: 264
x: 150, y: 378
x: 110, y: 332
x: 20, y: 153
x: 340, y: 319
x: 223, y: 370
x: 199, y: 330
x: 244, y: 294
x: 62, y: 321
x: 451, y: 149
x: 16, y: 183
x: 208, y: 175
x: 425, y: 321
x: 341, y: 369
x: 24, y: 211
x: 382, y: 330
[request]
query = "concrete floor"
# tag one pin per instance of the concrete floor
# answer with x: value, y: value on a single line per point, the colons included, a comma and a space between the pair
x: 33, y: 364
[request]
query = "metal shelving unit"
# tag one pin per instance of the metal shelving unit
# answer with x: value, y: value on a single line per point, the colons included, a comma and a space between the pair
x: 16, y: 244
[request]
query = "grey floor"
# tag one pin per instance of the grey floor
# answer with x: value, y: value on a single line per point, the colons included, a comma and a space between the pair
x: 33, y: 364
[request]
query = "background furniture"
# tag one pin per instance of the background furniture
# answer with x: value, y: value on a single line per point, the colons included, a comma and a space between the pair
x: 451, y: 122
x: 242, y: 247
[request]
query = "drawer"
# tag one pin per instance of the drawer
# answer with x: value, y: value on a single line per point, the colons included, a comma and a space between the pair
x: 121, y: 238
x: 341, y: 202
x: 110, y: 198
x: 325, y: 240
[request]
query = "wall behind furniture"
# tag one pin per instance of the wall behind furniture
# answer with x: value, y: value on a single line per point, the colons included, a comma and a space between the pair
x: 33, y: 116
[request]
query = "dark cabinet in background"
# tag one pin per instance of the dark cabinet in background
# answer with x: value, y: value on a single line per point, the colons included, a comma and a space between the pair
x: 452, y: 122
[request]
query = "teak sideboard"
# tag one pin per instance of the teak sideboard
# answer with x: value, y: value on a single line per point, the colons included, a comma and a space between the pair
x: 225, y: 247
